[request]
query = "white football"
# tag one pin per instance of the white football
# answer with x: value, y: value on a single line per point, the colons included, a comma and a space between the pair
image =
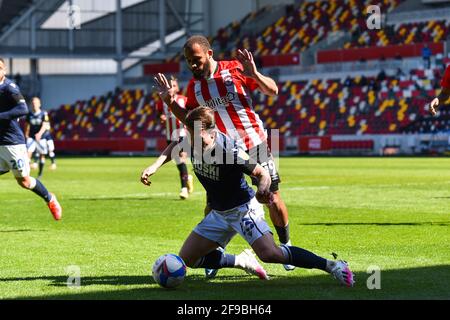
x: 169, y: 270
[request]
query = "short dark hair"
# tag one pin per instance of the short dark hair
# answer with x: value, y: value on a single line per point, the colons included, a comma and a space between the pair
x: 197, y: 39
x: 203, y: 114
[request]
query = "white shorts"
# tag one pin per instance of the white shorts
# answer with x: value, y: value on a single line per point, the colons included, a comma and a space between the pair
x: 15, y: 158
x: 247, y: 220
x: 41, y: 147
x: 50, y: 145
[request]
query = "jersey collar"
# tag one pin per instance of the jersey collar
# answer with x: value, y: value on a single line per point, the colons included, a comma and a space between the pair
x: 215, y: 71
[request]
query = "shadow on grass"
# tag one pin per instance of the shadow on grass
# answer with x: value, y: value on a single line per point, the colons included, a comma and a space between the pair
x: 112, y: 199
x: 441, y: 223
x: 414, y: 283
x: 150, y: 197
x: 21, y: 230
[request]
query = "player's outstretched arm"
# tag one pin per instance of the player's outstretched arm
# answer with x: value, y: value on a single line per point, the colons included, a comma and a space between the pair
x: 263, y: 195
x: 165, y: 157
x: 167, y: 94
x: 266, y: 85
x: 18, y: 111
x: 442, y: 97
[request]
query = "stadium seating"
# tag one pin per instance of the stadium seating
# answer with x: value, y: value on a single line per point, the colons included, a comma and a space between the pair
x: 361, y: 105
x: 123, y: 114
x: 301, y: 27
x: 405, y: 33
x: 309, y: 23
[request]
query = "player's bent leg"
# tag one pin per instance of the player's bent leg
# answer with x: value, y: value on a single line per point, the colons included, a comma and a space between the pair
x: 209, y: 272
x: 41, y: 166
x: 279, y: 216
x: 194, y: 248
x: 186, y: 179
x: 182, y: 169
x: 267, y: 251
x: 51, y: 153
x: 38, y: 188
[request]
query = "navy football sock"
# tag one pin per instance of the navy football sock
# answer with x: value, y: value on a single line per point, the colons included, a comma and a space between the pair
x: 52, y: 157
x: 283, y: 233
x: 183, y: 174
x: 41, y: 167
x: 303, y: 258
x: 216, y: 260
x: 41, y: 191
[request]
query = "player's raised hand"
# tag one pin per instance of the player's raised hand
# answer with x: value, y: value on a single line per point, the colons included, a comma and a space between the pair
x: 245, y: 57
x: 146, y: 174
x: 164, y: 88
x: 433, y: 106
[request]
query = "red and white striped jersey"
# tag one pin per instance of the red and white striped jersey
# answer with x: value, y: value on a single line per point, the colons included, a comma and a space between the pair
x: 228, y: 93
x: 445, y: 83
x: 174, y: 127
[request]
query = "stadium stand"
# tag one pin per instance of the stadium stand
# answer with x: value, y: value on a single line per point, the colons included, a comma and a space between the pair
x: 361, y: 105
x: 405, y: 33
x: 308, y: 24
x: 317, y: 107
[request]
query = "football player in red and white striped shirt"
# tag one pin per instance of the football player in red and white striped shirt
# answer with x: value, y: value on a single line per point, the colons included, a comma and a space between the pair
x: 445, y: 92
x: 174, y: 131
x: 225, y: 86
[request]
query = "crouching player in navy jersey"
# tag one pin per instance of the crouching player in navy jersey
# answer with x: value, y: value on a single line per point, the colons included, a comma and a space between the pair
x: 13, y: 151
x: 220, y: 165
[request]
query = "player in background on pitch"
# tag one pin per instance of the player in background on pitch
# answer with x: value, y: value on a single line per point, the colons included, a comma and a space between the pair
x: 225, y: 86
x: 13, y: 151
x: 220, y: 164
x: 444, y: 95
x: 174, y: 130
x: 38, y: 137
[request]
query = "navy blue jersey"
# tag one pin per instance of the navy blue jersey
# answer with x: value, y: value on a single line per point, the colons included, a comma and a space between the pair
x: 224, y: 182
x: 36, y: 120
x: 12, y: 107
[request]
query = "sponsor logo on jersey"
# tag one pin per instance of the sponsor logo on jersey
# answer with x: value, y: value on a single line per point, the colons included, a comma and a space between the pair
x: 220, y: 101
x: 207, y: 170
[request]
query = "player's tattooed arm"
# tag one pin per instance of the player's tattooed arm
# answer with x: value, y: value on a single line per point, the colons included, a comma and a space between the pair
x: 167, y: 94
x: 442, y: 97
x: 263, y: 194
x: 165, y: 157
x: 266, y: 85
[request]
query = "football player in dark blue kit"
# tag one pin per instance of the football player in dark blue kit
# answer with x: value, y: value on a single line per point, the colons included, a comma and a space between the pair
x: 13, y: 152
x: 37, y: 134
x: 220, y: 165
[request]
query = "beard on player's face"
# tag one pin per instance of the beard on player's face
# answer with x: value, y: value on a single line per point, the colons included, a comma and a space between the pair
x: 201, y: 71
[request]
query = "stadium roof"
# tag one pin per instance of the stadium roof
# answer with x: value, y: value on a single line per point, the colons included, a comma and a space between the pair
x: 11, y: 9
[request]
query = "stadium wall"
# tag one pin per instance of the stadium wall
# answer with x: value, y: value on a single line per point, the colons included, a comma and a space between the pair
x: 336, y: 145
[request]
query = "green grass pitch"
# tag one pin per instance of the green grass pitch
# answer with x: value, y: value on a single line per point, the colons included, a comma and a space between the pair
x: 393, y: 213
